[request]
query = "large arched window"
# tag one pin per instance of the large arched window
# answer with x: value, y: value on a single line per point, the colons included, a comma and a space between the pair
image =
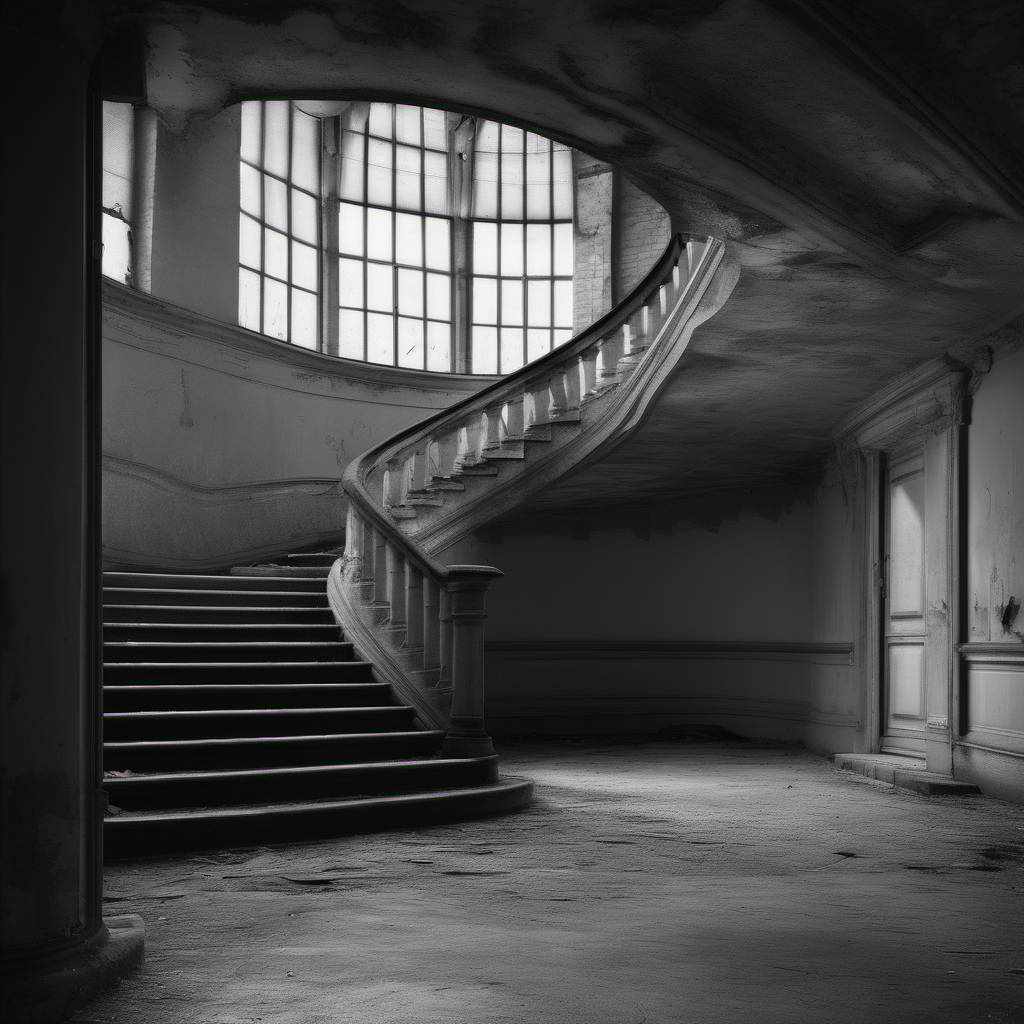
x: 404, y: 235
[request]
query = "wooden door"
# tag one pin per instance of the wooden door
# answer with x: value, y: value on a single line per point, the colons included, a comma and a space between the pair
x: 904, y: 707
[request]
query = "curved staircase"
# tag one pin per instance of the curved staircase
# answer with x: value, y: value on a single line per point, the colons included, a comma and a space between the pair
x: 236, y: 709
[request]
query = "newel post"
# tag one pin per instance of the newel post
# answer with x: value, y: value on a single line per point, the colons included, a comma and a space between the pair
x: 467, y: 586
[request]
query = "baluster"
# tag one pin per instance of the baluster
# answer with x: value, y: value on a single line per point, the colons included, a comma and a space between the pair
x: 431, y: 628
x: 559, y: 400
x: 418, y: 475
x: 447, y: 454
x: 611, y: 352
x: 540, y: 406
x: 394, y: 483
x: 573, y: 384
x: 474, y: 435
x: 467, y: 586
x: 492, y: 436
x: 588, y: 368
x: 514, y: 429
x: 396, y: 585
x: 380, y: 570
x: 414, y: 609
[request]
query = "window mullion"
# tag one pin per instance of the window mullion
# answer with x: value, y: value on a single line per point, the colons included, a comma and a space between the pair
x: 330, y: 240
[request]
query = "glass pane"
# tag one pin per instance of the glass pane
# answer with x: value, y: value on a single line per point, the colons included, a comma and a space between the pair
x: 305, y: 214
x: 511, y: 302
x: 538, y: 168
x: 304, y: 266
x: 538, y: 343
x: 438, y: 243
x: 275, y: 197
x: 560, y: 337
x: 379, y: 121
x: 303, y: 319
x: 250, y: 250
x: 435, y: 183
x: 249, y: 300
x: 485, y: 248
x: 538, y: 201
x: 249, y: 186
x: 380, y: 338
x: 410, y: 342
x: 116, y: 193
x: 407, y: 124
x: 275, y: 254
x: 350, y: 229
x: 252, y: 116
x: 351, y: 336
x: 439, y: 296
x: 306, y: 151
x: 563, y: 304
x: 435, y: 133
x: 511, y: 250
x: 275, y: 309
x: 407, y: 190
x: 275, y: 137
x: 485, y: 198
x: 511, y: 197
x: 118, y: 131
x: 410, y: 292
x: 380, y: 287
x: 537, y: 143
x: 439, y: 348
x: 484, y: 350
x: 511, y: 349
x: 538, y: 304
x: 487, y: 136
x: 563, y: 250
x: 512, y: 140
x: 563, y: 182
x: 378, y: 173
x: 350, y: 282
x: 116, y: 251
x: 353, y: 149
x: 378, y: 234
x: 409, y: 239
x: 538, y: 250
x: 485, y: 300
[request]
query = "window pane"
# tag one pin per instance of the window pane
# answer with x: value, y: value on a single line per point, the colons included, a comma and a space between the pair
x: 407, y: 124
x: 275, y: 195
x: 409, y: 239
x: 512, y: 140
x: 379, y: 287
x: 305, y: 272
x: 538, y: 250
x: 511, y: 302
x: 484, y: 350
x: 252, y: 116
x: 248, y: 300
x: 305, y: 215
x: 276, y: 254
x: 303, y: 319
x: 410, y: 292
x: 435, y: 129
x: 560, y: 337
x: 350, y: 229
x: 485, y: 300
x: 485, y: 248
x: 410, y: 342
x: 435, y: 182
x: 275, y: 137
x: 439, y: 354
x: 353, y: 146
x: 438, y: 243
x: 350, y: 282
x: 351, y: 334
x: 407, y: 190
x: 379, y: 121
x: 116, y: 251
x: 118, y: 131
x: 378, y: 234
x: 275, y: 309
x: 511, y: 349
x: 439, y: 296
x: 538, y: 343
x: 563, y: 182
x: 249, y: 186
x: 511, y: 250
x: 378, y: 174
x: 380, y: 338
x: 538, y: 304
x: 563, y: 304
x: 250, y: 249
x: 306, y: 152
x: 563, y: 250
x: 485, y: 198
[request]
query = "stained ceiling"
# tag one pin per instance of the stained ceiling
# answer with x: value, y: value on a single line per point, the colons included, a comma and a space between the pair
x: 861, y: 160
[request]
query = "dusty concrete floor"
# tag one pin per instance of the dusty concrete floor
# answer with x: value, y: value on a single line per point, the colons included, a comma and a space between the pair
x: 659, y: 883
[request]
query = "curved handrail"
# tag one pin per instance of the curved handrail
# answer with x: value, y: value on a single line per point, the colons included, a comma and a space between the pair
x: 420, y: 622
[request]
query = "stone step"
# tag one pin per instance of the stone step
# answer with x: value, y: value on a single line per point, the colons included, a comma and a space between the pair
x: 222, y: 696
x: 903, y: 772
x: 284, y: 597
x: 284, y: 581
x: 203, y: 650
x: 204, y: 632
x: 312, y: 613
x: 200, y: 673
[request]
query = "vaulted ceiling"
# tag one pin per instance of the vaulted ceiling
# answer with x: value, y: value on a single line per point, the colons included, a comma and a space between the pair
x: 862, y: 161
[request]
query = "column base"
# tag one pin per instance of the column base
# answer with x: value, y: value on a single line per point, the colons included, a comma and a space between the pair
x: 467, y: 738
x: 48, y: 993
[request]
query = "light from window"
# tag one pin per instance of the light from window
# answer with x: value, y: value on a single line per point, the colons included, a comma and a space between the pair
x: 118, y: 161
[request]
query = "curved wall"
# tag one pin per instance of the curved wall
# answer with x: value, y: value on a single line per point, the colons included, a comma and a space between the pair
x: 223, y: 446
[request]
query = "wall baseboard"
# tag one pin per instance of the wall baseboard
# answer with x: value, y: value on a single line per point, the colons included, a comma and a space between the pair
x: 583, y: 650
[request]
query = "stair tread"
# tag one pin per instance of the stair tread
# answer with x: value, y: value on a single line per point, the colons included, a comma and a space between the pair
x: 229, y: 664
x: 227, y: 644
x: 187, y: 815
x: 308, y: 738
x: 213, y: 712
